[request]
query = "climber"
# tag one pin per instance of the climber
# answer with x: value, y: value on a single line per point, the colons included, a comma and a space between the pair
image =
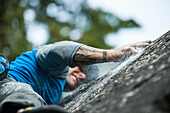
x: 64, y: 65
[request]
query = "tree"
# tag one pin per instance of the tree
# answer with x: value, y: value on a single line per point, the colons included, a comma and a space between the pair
x: 65, y: 20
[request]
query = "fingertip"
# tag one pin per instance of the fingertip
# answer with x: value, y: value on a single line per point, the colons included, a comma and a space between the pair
x: 20, y: 111
x: 150, y: 41
x: 147, y: 41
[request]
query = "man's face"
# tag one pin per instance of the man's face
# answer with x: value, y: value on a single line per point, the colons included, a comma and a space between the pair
x: 75, y: 77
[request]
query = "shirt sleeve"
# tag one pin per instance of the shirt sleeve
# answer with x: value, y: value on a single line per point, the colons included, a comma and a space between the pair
x: 55, y: 58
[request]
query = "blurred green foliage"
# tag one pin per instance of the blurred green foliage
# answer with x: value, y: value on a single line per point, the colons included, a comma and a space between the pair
x: 62, y: 17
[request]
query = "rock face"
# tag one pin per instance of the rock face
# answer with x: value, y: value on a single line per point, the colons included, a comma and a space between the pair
x: 143, y: 86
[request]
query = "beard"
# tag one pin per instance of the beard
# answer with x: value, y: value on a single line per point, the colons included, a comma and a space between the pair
x: 68, y: 87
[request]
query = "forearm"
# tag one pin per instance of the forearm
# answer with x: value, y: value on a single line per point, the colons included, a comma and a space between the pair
x: 87, y: 55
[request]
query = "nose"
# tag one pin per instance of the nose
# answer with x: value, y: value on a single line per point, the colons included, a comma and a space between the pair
x: 82, y: 77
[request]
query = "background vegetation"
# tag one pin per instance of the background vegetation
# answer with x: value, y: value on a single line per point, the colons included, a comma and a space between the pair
x: 61, y: 18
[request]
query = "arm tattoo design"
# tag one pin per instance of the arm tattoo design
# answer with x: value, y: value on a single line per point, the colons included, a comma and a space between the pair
x: 104, y: 56
x: 88, y: 55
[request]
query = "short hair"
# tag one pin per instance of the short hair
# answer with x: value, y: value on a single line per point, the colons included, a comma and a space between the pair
x: 91, y: 71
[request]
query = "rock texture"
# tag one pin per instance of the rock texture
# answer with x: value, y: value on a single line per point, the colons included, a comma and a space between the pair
x: 143, y: 86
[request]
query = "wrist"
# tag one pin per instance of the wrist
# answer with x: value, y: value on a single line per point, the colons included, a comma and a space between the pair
x: 109, y: 57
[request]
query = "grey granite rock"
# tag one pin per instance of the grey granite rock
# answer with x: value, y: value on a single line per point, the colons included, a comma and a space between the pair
x: 143, y: 86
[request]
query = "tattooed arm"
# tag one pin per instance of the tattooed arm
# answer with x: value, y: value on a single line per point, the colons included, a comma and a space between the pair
x: 88, y: 55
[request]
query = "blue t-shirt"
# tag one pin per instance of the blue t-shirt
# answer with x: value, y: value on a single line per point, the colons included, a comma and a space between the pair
x: 25, y: 69
x: 45, y: 69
